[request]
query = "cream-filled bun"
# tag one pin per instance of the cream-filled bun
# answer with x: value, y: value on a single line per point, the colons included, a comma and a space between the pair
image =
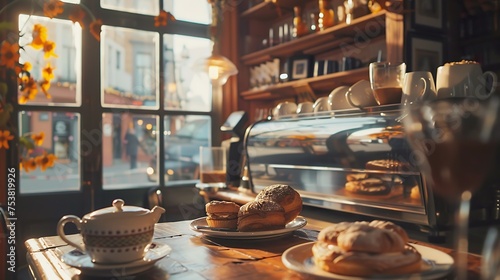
x: 364, y: 249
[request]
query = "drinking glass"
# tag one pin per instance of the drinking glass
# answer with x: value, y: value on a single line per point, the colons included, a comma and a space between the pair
x: 454, y: 142
x: 213, y: 165
x: 386, y: 81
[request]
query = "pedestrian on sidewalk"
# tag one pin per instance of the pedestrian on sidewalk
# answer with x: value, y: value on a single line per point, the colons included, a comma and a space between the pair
x: 132, y: 144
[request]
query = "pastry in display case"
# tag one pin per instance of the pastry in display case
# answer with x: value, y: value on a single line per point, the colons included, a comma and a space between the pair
x: 356, y: 161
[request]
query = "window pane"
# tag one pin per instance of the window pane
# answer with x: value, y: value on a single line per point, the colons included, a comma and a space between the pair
x: 129, y: 67
x: 145, y: 7
x: 65, y: 85
x: 62, y: 140
x: 129, y: 144
x: 198, y: 11
x: 183, y: 137
x: 184, y: 88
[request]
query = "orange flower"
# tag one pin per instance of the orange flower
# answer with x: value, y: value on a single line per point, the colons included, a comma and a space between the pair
x: 161, y: 19
x: 28, y: 89
x: 45, y: 85
x: 77, y: 15
x: 52, y: 8
x: 39, y: 34
x: 48, y: 72
x: 27, y: 66
x: 28, y: 164
x: 48, y: 48
x: 45, y: 160
x: 95, y: 29
x: 9, y: 54
x: 5, y: 137
x: 38, y: 138
x: 23, y: 98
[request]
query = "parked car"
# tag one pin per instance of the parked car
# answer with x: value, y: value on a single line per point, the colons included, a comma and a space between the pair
x: 182, y: 152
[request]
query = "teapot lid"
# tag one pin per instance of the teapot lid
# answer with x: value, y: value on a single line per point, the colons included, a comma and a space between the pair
x: 118, y: 209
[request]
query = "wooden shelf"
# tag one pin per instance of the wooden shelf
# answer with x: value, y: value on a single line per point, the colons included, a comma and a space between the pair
x: 369, y: 26
x: 267, y: 10
x: 324, y: 83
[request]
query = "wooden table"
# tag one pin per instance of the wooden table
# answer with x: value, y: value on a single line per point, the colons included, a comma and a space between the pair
x: 195, y: 256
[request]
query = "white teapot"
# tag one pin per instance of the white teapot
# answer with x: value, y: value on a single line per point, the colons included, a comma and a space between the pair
x: 115, y: 234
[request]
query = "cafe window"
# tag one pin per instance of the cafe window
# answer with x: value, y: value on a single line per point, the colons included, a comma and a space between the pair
x: 125, y: 95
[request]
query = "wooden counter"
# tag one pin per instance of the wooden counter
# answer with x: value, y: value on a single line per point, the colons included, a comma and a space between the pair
x: 195, y: 256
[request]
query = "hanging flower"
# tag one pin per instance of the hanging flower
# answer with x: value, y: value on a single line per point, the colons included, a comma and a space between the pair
x: 95, y: 29
x: 48, y: 72
x: 27, y: 66
x: 77, y: 15
x: 163, y: 18
x: 9, y: 54
x: 53, y: 8
x: 38, y: 138
x: 48, y: 49
x: 28, y: 164
x: 39, y: 36
x: 5, y: 137
x: 28, y: 89
x: 45, y: 160
x: 45, y: 85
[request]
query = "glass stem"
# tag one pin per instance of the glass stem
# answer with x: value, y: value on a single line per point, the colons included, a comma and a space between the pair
x: 462, y: 242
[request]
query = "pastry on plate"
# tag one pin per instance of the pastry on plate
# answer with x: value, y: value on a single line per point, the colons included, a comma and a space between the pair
x: 365, y: 249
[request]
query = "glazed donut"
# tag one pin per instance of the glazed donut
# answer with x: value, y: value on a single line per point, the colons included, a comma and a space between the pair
x: 259, y: 215
x: 285, y: 196
x: 222, y: 214
x: 362, y: 264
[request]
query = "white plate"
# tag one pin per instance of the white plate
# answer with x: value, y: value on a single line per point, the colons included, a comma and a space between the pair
x: 84, y: 263
x: 298, y: 223
x: 436, y: 264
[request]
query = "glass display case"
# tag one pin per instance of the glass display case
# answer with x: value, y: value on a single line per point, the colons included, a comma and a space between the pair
x: 355, y: 161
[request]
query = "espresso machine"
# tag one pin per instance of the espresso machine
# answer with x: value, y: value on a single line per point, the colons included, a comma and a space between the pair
x: 236, y: 125
x: 356, y: 161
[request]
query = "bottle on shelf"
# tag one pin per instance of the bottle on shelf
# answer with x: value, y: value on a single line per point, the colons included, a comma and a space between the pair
x: 326, y: 16
x: 313, y: 22
x: 299, y: 26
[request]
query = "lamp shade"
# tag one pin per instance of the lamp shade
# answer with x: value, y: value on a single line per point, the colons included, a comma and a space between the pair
x: 218, y: 68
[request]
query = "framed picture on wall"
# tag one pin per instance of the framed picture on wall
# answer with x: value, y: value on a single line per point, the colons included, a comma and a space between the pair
x: 427, y: 14
x: 300, y: 67
x: 425, y: 53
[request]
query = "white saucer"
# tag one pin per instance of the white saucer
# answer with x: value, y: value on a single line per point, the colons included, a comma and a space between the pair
x: 297, y: 223
x: 435, y: 264
x: 84, y: 263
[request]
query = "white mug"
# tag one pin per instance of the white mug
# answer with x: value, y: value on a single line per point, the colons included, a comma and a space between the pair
x: 285, y: 109
x: 305, y: 107
x: 464, y: 80
x: 321, y: 105
x: 418, y: 85
x: 338, y: 100
x: 360, y: 95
